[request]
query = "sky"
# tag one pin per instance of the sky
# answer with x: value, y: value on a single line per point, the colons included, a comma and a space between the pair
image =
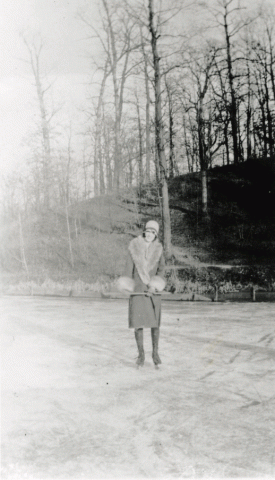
x: 65, y: 38
x: 57, y: 23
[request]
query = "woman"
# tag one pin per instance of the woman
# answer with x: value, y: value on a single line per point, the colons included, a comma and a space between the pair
x: 144, y: 277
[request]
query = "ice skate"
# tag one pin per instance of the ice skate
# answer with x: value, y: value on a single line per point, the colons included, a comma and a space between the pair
x: 156, y: 359
x: 140, y: 360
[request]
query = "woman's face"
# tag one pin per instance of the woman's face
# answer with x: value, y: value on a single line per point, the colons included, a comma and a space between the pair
x: 149, y: 236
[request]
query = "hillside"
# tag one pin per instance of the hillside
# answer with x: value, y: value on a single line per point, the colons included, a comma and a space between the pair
x: 241, y: 225
x: 234, y: 246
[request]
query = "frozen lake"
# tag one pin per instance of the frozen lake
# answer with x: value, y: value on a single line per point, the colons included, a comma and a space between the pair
x: 74, y: 405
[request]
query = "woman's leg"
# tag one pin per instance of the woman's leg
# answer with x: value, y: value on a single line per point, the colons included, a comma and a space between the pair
x: 155, y: 344
x: 139, y: 340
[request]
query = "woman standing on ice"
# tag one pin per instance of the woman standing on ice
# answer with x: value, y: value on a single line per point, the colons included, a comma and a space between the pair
x: 144, y: 278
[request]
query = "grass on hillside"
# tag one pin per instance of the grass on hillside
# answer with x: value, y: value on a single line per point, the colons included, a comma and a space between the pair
x: 239, y: 231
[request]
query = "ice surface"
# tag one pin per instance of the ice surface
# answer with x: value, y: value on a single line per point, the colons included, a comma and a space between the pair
x: 74, y: 405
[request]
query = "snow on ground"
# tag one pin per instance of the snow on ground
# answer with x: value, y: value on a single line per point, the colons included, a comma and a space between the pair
x: 74, y: 405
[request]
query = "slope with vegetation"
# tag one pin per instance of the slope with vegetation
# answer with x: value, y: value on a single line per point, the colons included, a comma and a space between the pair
x: 83, y: 246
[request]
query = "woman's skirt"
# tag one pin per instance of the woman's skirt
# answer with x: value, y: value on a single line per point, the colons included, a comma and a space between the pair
x: 144, y: 311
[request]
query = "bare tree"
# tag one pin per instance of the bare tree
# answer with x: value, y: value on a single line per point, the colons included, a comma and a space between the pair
x: 85, y: 162
x: 233, y: 106
x: 140, y: 149
x: 35, y: 48
x: 153, y: 28
x: 114, y: 57
x: 115, y: 36
x: 107, y: 154
x: 22, y: 244
x: 171, y: 163
x: 228, y: 15
x: 204, y: 140
x: 261, y: 61
x: 99, y: 178
x: 148, y: 121
x: 200, y: 110
x: 267, y: 16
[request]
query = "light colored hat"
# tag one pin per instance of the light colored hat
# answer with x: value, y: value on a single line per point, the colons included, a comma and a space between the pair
x: 152, y: 225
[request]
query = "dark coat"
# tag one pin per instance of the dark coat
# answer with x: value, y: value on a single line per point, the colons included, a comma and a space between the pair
x: 144, y: 311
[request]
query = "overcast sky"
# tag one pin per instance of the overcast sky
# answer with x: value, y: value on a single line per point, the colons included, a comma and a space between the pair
x: 64, y: 54
x: 57, y: 23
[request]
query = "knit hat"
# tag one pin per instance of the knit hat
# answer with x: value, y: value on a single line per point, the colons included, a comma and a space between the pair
x: 152, y: 225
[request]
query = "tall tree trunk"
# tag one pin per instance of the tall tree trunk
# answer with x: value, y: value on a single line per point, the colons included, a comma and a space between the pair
x: 68, y: 173
x: 131, y: 171
x: 107, y: 141
x: 84, y: 166
x: 261, y: 100
x: 147, y: 113
x: 204, y: 192
x: 113, y: 64
x: 264, y: 129
x: 159, y: 135
x: 225, y: 129
x: 271, y: 57
x: 101, y: 171
x: 22, y: 245
x: 187, y: 147
x: 268, y: 114
x: 233, y: 105
x: 156, y: 158
x: 202, y: 156
x: 248, y: 113
x: 98, y: 177
x: 35, y: 52
x: 140, y: 169
x: 171, y: 132
x: 130, y: 165
x: 69, y: 233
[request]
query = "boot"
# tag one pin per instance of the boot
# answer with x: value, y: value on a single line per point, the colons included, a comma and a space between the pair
x: 155, y: 343
x: 139, y: 340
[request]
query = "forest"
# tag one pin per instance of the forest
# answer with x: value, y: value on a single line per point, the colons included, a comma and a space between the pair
x: 178, y: 123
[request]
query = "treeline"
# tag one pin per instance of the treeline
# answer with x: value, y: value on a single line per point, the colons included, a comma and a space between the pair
x: 173, y: 89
